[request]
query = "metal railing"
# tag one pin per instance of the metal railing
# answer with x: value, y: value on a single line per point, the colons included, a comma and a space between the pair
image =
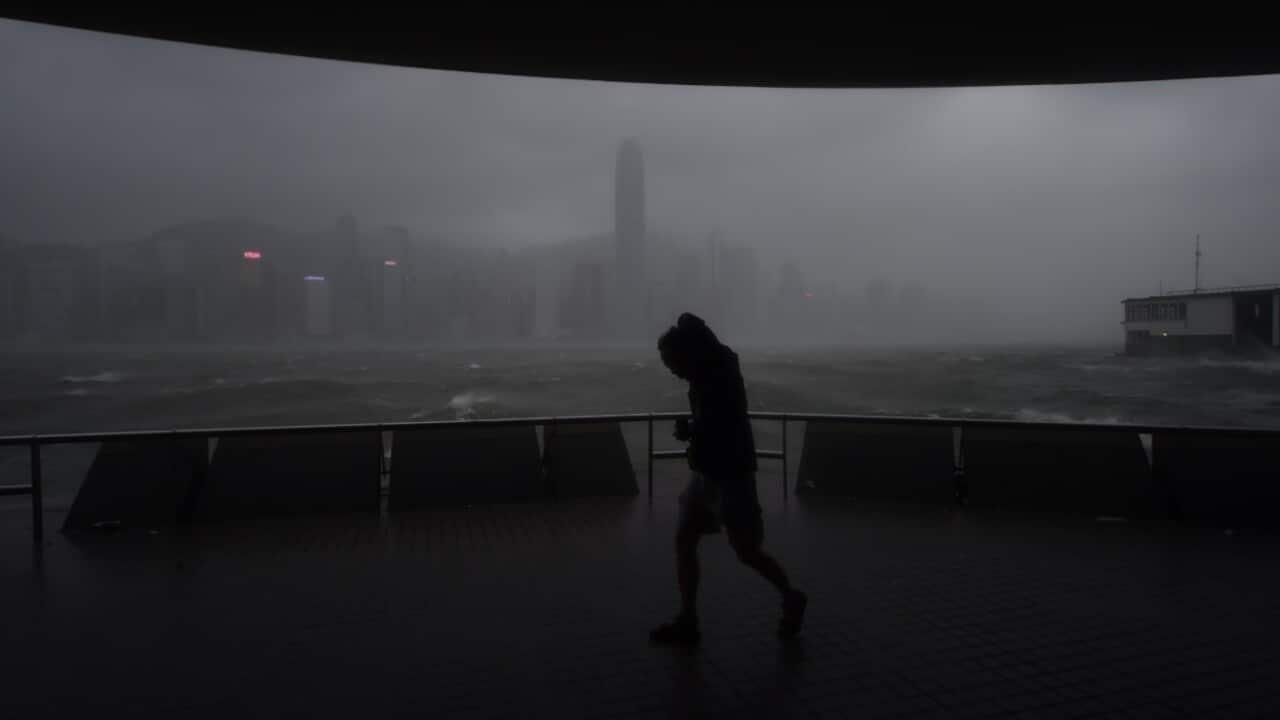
x: 36, y: 442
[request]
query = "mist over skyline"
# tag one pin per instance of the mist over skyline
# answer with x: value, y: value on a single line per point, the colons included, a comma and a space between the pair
x: 1055, y: 201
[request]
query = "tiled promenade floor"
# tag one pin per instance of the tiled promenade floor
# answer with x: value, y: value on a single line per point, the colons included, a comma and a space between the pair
x: 542, y: 610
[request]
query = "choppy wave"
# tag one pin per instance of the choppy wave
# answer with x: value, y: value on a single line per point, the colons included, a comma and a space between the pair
x: 466, y: 405
x: 1034, y: 415
x: 1262, y: 367
x: 166, y: 388
x: 106, y: 376
x: 1093, y: 368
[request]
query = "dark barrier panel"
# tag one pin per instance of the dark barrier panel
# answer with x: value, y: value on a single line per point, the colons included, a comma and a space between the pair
x: 1220, y: 480
x: 15, y: 465
x: 1101, y: 472
x: 588, y: 460
x: 883, y: 462
x: 292, y: 475
x: 462, y: 465
x: 139, y: 483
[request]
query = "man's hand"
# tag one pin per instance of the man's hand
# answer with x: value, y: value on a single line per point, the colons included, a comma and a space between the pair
x: 682, y: 430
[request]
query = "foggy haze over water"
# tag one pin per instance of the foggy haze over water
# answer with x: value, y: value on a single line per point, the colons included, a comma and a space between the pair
x: 955, y: 252
x: 1044, y: 206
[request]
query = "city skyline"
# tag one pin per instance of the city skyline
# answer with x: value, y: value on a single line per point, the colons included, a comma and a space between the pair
x: 1001, y: 196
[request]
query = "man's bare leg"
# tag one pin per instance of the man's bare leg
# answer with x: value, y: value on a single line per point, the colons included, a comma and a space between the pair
x: 683, y: 630
x: 747, y: 548
x: 687, y: 571
x: 754, y: 557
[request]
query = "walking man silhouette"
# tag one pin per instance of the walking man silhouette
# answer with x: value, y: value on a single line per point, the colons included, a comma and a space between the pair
x: 722, y: 488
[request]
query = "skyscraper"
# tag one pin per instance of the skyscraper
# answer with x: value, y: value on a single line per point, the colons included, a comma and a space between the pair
x: 546, y: 294
x: 739, y: 289
x: 629, y: 235
x: 350, y: 291
x: 583, y: 309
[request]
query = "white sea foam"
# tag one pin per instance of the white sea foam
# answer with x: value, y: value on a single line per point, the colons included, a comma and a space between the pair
x: 464, y: 404
x: 107, y: 376
x: 1033, y: 415
x: 1262, y: 367
x: 1090, y: 368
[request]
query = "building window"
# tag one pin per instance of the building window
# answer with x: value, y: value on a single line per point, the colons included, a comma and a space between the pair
x: 1182, y: 311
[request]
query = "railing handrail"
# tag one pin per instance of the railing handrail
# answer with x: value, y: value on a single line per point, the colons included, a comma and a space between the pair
x: 997, y: 422
x: 63, y: 438
x: 36, y: 442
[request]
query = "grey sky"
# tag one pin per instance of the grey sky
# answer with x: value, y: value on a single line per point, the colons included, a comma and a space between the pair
x: 1064, y: 199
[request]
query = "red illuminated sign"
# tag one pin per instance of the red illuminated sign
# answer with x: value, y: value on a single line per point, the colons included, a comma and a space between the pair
x: 252, y: 255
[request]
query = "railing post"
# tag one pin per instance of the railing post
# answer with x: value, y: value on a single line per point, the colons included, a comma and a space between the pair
x: 650, y: 463
x: 784, y: 460
x: 37, y: 496
x: 546, y: 461
x: 384, y: 484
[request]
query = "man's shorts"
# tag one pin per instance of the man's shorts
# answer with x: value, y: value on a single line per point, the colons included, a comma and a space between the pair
x: 708, y: 504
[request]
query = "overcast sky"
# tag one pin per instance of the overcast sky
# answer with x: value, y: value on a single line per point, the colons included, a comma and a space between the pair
x: 1074, y: 196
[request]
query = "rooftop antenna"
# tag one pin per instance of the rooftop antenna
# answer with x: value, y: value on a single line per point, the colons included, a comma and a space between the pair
x: 1197, y: 288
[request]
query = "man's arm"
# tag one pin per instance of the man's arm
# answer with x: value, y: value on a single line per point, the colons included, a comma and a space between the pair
x: 684, y: 429
x: 713, y: 427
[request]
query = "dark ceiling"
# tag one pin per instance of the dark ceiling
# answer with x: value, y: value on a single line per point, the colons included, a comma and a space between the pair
x: 746, y: 50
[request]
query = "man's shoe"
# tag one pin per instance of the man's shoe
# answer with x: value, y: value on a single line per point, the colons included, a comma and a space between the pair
x: 793, y: 607
x: 680, y: 631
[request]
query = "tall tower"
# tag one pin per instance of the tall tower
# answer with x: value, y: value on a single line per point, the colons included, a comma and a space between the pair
x: 629, y: 235
x: 350, y: 289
